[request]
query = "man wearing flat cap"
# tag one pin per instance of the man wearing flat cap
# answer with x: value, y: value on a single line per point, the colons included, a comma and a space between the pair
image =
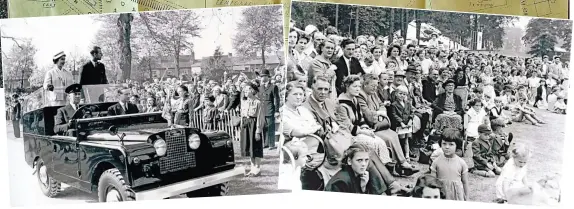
x: 94, y: 72
x: 270, y: 104
x: 56, y: 80
x: 62, y: 121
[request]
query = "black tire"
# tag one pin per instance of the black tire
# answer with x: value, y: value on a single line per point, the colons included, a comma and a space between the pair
x: 113, y: 179
x: 212, y: 191
x: 52, y: 187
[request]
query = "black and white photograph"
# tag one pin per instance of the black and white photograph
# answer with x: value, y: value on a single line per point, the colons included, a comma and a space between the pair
x: 142, y: 106
x: 425, y: 104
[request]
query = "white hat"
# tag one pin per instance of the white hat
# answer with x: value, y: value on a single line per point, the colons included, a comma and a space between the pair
x: 59, y: 55
x: 310, y: 29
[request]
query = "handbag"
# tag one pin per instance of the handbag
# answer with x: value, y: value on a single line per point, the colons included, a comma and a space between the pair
x: 235, y: 121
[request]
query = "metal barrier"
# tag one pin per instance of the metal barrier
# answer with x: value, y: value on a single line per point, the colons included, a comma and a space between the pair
x: 222, y: 122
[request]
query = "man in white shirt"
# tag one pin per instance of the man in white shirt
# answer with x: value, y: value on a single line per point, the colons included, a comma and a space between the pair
x: 63, y: 121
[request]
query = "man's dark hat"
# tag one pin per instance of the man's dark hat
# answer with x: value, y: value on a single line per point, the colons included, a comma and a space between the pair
x: 263, y: 73
x: 447, y: 82
x: 74, y: 88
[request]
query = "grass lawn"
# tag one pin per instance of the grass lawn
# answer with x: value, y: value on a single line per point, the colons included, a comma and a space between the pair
x: 264, y: 184
x: 546, y: 143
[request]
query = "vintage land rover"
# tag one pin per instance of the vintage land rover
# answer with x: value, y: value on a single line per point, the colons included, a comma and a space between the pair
x: 127, y: 157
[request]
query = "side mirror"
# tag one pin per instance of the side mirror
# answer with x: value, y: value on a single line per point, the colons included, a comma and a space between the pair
x: 113, y: 130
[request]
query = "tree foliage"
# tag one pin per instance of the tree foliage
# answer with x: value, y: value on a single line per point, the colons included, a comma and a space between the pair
x: 172, y: 31
x: 259, y: 32
x: 543, y: 45
x: 19, y: 63
x: 107, y: 39
x: 381, y: 20
x: 215, y: 66
x: 560, y: 29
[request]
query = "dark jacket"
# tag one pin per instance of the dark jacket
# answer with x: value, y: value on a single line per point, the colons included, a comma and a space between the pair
x: 16, y: 112
x: 343, y: 71
x: 93, y: 75
x: 438, y: 105
x: 63, y: 116
x: 269, y: 98
x: 400, y: 114
x: 118, y: 110
x: 234, y: 100
x: 429, y: 90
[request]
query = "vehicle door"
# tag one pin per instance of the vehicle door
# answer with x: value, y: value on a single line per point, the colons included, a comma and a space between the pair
x: 65, y: 159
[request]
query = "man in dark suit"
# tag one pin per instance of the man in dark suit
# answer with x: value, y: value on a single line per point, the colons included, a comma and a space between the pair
x: 123, y: 107
x: 430, y: 86
x: 94, y: 72
x: 270, y: 104
x: 63, y: 122
x: 347, y: 64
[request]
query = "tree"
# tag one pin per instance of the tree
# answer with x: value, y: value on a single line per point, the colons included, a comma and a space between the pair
x: 107, y: 39
x: 37, y: 78
x: 216, y: 65
x: 307, y: 13
x: 172, y: 31
x: 20, y: 63
x: 259, y: 32
x: 560, y: 29
x: 125, y: 30
x: 543, y: 45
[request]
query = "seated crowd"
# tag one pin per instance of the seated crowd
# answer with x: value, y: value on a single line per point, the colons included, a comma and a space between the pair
x: 371, y: 116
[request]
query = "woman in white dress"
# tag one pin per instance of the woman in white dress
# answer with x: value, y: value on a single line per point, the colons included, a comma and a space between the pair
x: 56, y: 80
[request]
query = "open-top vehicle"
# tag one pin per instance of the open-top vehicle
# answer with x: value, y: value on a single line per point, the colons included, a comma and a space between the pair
x: 127, y: 157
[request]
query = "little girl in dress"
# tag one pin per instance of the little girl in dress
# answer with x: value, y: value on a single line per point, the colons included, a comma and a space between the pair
x: 451, y: 169
x: 513, y: 173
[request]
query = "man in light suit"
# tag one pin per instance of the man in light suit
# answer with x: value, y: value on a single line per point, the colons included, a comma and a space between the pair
x: 63, y: 122
x: 347, y: 64
x: 123, y: 107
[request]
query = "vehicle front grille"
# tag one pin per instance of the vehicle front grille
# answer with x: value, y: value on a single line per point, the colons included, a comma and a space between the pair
x: 177, y: 157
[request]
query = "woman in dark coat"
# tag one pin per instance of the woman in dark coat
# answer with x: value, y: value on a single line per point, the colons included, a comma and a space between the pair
x: 353, y: 176
x: 16, y: 115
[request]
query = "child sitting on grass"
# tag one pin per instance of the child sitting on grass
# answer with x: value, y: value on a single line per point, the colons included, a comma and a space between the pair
x: 522, y: 111
x: 513, y: 173
x: 482, y: 154
x: 497, y: 112
x: 500, y: 143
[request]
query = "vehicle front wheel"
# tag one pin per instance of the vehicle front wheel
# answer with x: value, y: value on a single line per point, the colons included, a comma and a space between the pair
x: 113, y: 188
x: 213, y: 191
x: 48, y: 185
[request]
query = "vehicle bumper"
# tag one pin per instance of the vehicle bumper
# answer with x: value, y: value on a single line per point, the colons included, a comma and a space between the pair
x: 189, y: 185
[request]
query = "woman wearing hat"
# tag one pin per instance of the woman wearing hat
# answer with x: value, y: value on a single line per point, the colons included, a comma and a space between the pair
x: 56, y: 80
x: 16, y: 115
x: 447, y: 108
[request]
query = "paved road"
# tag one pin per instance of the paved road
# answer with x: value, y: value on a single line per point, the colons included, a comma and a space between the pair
x: 24, y: 188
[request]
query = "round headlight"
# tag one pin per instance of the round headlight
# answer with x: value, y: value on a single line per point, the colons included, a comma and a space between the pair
x: 160, y: 147
x: 194, y: 141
